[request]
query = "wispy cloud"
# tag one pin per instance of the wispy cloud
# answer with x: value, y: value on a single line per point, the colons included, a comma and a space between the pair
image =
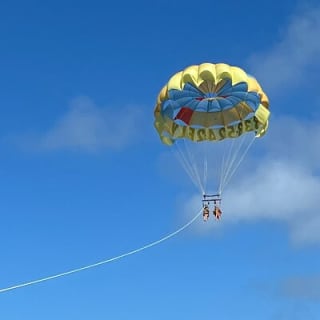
x: 278, y: 191
x: 283, y: 185
x: 87, y: 127
x: 302, y: 287
x: 288, y: 62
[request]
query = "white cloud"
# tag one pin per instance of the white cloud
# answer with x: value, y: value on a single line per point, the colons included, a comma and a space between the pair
x: 276, y: 190
x: 281, y: 185
x: 88, y: 127
x: 295, y: 140
x: 292, y: 59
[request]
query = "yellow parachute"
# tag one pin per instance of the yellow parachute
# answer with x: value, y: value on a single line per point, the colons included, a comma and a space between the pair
x: 215, y: 104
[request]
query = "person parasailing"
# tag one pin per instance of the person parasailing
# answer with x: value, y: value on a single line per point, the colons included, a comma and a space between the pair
x: 217, y: 212
x: 205, y: 212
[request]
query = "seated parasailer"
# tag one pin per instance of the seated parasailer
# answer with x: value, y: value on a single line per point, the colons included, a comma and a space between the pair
x: 205, y: 213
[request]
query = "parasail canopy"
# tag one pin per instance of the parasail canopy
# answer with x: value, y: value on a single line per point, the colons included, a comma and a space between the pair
x: 210, y: 102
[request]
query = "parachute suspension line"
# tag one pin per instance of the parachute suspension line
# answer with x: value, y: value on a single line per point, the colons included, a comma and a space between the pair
x: 185, y: 164
x: 239, y: 162
x: 232, y: 159
x: 189, y: 166
x: 222, y: 167
x: 205, y: 166
x: 193, y: 165
x: 228, y: 167
x: 226, y: 163
x: 90, y: 266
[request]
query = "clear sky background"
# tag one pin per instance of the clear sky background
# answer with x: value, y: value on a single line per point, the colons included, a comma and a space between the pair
x: 84, y: 176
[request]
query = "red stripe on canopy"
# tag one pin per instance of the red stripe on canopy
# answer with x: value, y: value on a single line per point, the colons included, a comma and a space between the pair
x: 184, y: 115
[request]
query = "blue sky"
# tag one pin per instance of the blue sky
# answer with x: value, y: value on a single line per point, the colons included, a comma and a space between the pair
x: 84, y: 176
